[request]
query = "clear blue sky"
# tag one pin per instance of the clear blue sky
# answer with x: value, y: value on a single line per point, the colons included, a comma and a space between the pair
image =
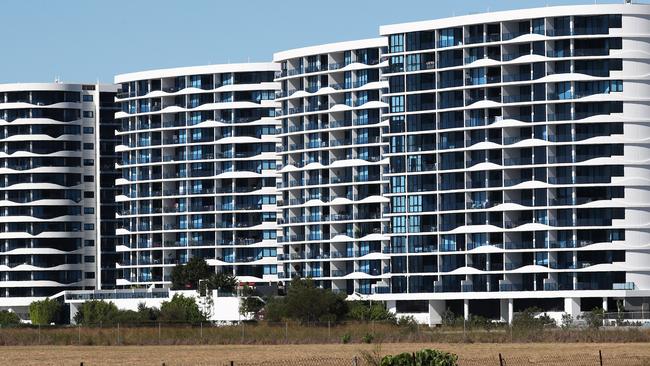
x: 86, y: 40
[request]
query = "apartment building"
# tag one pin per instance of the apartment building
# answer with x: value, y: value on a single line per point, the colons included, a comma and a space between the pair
x: 49, y: 188
x: 519, y: 161
x: 198, y: 166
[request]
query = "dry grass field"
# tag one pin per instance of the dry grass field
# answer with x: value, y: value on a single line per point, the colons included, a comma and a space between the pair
x: 479, y: 354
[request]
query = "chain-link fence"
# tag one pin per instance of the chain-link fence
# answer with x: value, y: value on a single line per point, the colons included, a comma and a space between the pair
x: 595, y: 359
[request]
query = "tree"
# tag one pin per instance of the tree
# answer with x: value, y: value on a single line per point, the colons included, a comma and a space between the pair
x: 367, y: 310
x: 181, y: 309
x: 307, y: 303
x: 275, y: 309
x: 250, y: 304
x: 595, y: 317
x: 221, y: 281
x: 148, y: 314
x: 95, y: 312
x: 531, y: 321
x: 8, y: 318
x: 187, y: 276
x: 44, y: 312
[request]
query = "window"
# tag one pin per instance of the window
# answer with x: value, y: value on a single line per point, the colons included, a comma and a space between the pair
x: 450, y: 37
x: 399, y: 224
x: 396, y: 84
x: 88, y: 114
x: 87, y: 98
x: 396, y: 43
x: 89, y: 226
x: 347, y: 57
x: 415, y: 203
x: 89, y: 162
x: 89, y: 258
x: 398, y: 184
x: 89, y: 130
x: 89, y: 178
x: 399, y: 204
x: 88, y: 146
x: 89, y: 210
x: 89, y: 194
x: 397, y: 104
x: 413, y: 62
x: 89, y: 243
x: 90, y: 275
x: 538, y: 26
x: 396, y: 64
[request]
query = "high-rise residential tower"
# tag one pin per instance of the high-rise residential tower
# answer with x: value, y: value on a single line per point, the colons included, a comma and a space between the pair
x: 50, y: 170
x: 332, y: 165
x: 519, y: 160
x: 198, y: 172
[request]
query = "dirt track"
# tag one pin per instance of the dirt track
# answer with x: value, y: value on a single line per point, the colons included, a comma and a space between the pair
x: 220, y: 355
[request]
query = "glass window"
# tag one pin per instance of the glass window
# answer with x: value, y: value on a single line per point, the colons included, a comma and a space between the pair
x: 398, y: 204
x: 396, y: 64
x: 398, y: 184
x: 399, y: 224
x: 397, y: 104
x: 538, y: 26
x: 396, y: 43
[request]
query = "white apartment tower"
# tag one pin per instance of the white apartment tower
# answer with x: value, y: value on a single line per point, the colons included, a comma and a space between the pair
x: 197, y: 172
x: 519, y: 161
x: 333, y: 165
x: 51, y: 179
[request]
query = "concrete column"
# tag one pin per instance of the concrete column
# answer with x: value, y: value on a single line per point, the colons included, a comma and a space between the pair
x: 466, y: 309
x: 391, y: 306
x: 503, y: 310
x: 572, y: 306
x: 511, y: 310
x: 436, y: 309
x: 74, y: 308
x: 605, y: 304
x: 507, y: 310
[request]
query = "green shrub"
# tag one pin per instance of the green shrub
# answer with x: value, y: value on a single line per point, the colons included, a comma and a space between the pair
x: 346, y: 338
x: 181, y: 309
x: 8, y: 318
x: 425, y: 357
x: 407, y: 322
x: 307, y: 303
x: 594, y: 318
x: 44, y: 312
x: 366, y: 310
x: 94, y: 312
x: 367, y: 338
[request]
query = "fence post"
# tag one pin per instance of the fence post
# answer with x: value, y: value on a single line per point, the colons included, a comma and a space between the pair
x: 159, y: 331
x: 329, y: 330
x: 232, y: 363
x: 242, y: 332
x: 286, y: 332
x: 118, y: 334
x: 39, y: 334
x: 600, y: 355
x: 201, y: 330
x: 79, y: 333
x: 500, y: 360
x: 355, y: 361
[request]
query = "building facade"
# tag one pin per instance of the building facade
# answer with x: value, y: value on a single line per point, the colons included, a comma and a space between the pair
x: 333, y: 165
x: 519, y: 161
x: 49, y: 171
x: 197, y: 172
